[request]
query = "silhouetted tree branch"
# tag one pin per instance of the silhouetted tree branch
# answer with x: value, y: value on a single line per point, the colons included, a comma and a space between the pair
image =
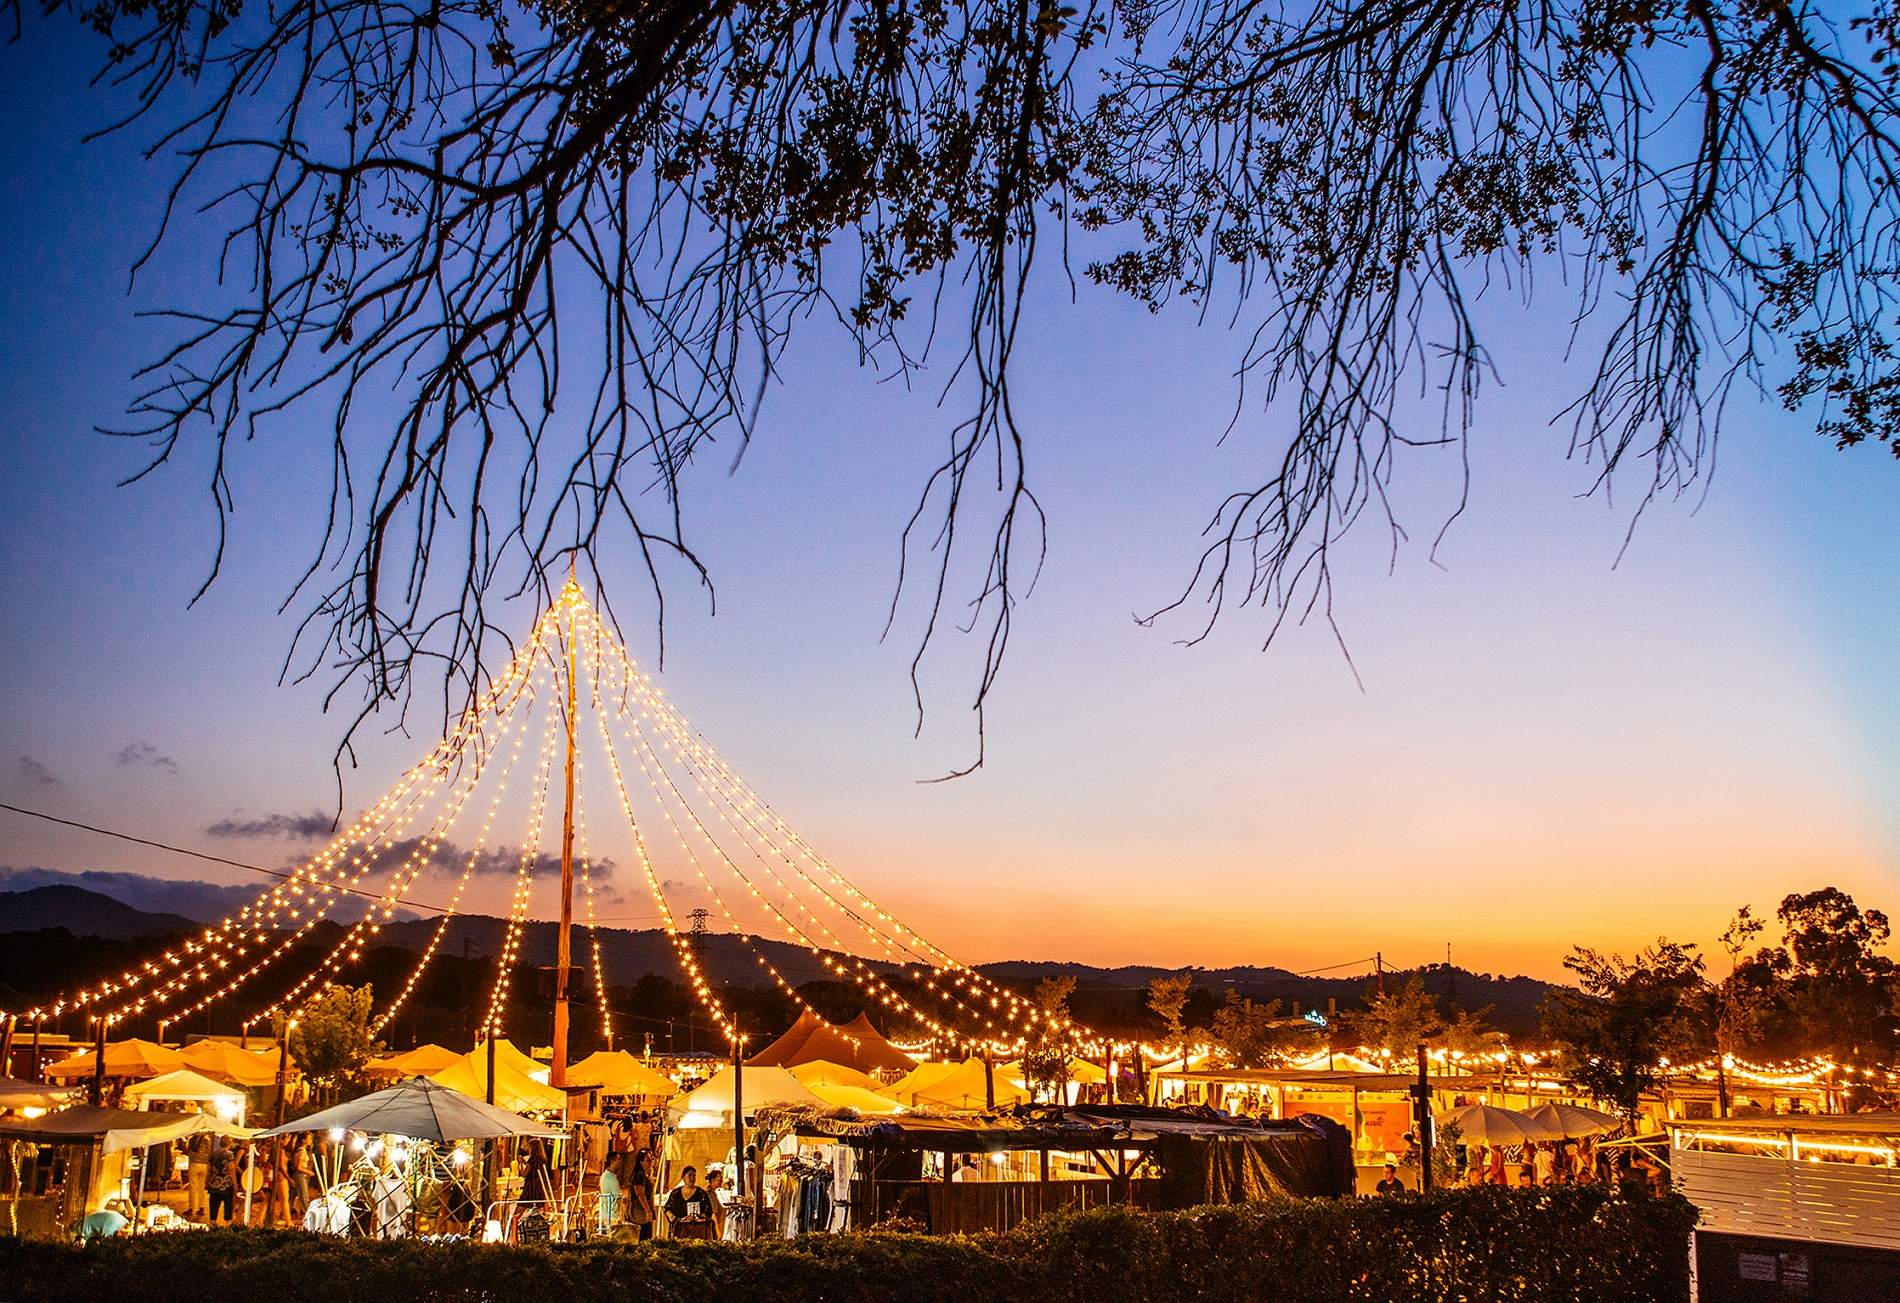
x: 574, y: 240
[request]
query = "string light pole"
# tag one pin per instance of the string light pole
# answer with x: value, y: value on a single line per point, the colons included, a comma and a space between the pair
x: 563, y: 946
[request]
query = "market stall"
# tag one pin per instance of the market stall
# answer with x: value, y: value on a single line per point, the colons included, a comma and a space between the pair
x: 96, y: 1167
x: 971, y: 1173
x: 404, y: 1147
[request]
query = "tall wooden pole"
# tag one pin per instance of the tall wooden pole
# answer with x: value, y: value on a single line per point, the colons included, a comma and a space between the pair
x: 97, y: 1095
x: 283, y: 1068
x: 1422, y: 1121
x: 739, y: 1188
x: 489, y: 1171
x: 563, y: 950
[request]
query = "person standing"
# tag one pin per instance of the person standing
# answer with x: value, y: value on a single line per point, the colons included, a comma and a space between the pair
x: 639, y: 1195
x: 277, y: 1190
x: 303, y: 1177
x: 1543, y: 1165
x: 689, y: 1209
x: 612, y: 1198
x: 198, y: 1149
x: 534, y: 1174
x: 721, y: 1191
x: 220, y: 1183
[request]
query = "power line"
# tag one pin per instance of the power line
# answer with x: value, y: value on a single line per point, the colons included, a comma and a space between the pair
x: 1333, y: 968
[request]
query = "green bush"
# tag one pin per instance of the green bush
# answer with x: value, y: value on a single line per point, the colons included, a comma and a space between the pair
x: 1541, y: 1246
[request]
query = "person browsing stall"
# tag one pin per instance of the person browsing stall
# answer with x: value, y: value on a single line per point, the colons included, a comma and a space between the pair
x: 689, y: 1208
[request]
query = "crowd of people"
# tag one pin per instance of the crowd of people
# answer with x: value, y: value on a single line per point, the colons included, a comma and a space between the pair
x: 1556, y: 1162
x: 282, y: 1174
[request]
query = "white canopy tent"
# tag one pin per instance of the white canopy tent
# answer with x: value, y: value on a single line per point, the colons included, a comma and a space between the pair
x: 187, y: 1087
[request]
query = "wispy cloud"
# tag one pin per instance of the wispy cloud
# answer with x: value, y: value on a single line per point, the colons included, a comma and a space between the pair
x: 32, y: 771
x: 449, y: 858
x: 299, y: 827
x: 144, y: 754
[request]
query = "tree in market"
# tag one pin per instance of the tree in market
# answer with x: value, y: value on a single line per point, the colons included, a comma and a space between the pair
x: 1047, y: 1051
x: 1842, y: 987
x: 1826, y: 990
x: 1398, y: 1019
x: 576, y: 242
x: 1617, y: 1031
x: 331, y: 1040
x: 1249, y: 1034
x: 1167, y: 999
x: 1469, y: 1032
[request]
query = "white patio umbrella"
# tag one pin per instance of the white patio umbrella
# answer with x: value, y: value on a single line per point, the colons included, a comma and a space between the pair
x: 1573, y: 1120
x: 421, y: 1110
x: 1482, y: 1124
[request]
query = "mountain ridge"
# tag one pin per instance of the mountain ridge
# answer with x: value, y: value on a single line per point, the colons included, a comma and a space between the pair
x: 1117, y: 993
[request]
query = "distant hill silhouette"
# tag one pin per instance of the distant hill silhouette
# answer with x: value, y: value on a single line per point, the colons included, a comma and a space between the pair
x: 86, y: 914
x: 1109, y: 997
x: 206, y: 902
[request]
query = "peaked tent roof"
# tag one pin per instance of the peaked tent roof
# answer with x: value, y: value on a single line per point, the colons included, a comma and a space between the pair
x: 856, y: 1044
x: 616, y: 1072
x: 227, y: 1062
x: 419, y: 1062
x: 962, y: 1087
x: 823, y: 1072
x: 867, y: 1102
x: 906, y: 1087
x: 759, y: 1086
x: 788, y: 1042
x: 514, y: 1090
x: 507, y: 1052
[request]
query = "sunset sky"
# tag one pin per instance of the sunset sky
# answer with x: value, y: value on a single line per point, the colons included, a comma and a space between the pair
x: 1550, y: 747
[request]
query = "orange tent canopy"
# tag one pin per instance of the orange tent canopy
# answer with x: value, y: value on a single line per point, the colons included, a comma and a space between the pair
x: 226, y: 1062
x: 856, y: 1044
x: 423, y: 1061
x: 133, y: 1058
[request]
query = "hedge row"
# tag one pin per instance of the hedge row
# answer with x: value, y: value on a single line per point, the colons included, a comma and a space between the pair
x: 1550, y: 1246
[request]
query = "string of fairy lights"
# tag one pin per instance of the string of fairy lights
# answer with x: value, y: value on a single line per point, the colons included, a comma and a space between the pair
x: 434, y: 943
x: 739, y: 852
x: 717, y: 783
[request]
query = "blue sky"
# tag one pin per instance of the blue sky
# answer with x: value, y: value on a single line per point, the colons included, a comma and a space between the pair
x: 1549, y: 748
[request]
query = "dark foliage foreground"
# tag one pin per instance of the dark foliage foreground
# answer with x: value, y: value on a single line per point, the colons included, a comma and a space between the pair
x: 1557, y: 1246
